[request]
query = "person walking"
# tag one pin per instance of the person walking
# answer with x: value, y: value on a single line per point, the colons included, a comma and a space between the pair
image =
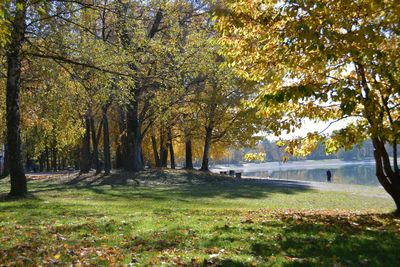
x: 329, y: 176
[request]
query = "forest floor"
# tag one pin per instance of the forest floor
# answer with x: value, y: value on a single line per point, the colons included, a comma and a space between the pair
x: 179, y: 218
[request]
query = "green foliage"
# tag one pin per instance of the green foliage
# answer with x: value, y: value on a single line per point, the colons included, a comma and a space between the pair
x: 4, y: 24
x: 81, y: 57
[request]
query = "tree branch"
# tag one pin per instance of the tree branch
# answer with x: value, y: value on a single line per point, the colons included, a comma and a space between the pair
x: 73, y: 62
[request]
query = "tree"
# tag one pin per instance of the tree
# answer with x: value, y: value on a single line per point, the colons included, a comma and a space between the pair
x: 52, y: 125
x: 324, y: 61
x: 4, y: 170
x: 40, y: 29
x: 164, y: 61
x: 224, y: 117
x: 13, y: 56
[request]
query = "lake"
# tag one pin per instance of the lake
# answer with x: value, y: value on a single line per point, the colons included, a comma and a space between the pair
x: 343, y: 172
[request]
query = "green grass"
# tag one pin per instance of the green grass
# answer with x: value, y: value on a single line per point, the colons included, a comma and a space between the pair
x: 193, y: 219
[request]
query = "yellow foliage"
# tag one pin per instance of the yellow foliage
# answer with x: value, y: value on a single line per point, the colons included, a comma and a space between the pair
x: 323, y: 60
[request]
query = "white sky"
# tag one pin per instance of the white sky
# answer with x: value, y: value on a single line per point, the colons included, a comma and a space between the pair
x: 310, y: 126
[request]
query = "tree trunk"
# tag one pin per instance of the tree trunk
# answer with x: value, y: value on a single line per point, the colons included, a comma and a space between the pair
x: 62, y: 163
x: 171, y: 149
x: 155, y: 152
x: 188, y: 154
x: 42, y: 161
x: 395, y: 164
x: 76, y: 158
x: 121, y: 142
x: 119, y: 161
x: 95, y: 142
x: 48, y: 167
x: 163, y: 148
x: 85, y: 163
x: 28, y: 163
x: 134, y: 139
x: 133, y: 142
x: 389, y: 179
x: 206, y: 151
x: 54, y: 158
x: 19, y: 186
x: 106, y: 143
x: 6, y: 169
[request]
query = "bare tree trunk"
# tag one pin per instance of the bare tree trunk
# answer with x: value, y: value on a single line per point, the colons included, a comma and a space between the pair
x: 163, y: 148
x: 95, y: 142
x: 62, y: 163
x: 134, y: 139
x: 6, y: 169
x: 85, y: 164
x: 106, y: 143
x: 155, y: 152
x: 171, y: 149
x: 188, y: 150
x: 389, y: 179
x: 47, y: 153
x: 395, y: 164
x: 76, y: 158
x: 121, y: 142
x: 206, y: 151
x: 54, y: 159
x: 188, y: 154
x: 42, y: 161
x: 19, y: 186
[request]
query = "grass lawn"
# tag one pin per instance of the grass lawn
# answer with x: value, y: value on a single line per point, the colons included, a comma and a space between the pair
x: 190, y: 219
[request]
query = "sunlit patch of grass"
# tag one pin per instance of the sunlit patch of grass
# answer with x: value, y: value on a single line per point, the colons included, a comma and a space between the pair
x: 196, y: 224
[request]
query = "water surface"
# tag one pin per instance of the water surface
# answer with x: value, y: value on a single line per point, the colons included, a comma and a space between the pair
x: 349, y: 172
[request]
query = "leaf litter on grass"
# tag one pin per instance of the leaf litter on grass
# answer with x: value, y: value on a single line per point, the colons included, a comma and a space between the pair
x: 216, y: 225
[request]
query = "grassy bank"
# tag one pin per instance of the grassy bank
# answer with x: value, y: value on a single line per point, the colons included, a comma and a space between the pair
x: 189, y: 219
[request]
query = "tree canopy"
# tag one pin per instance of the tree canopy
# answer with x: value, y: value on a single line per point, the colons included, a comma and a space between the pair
x: 129, y: 84
x: 323, y: 61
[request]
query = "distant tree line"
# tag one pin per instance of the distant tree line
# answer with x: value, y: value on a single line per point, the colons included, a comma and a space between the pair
x: 274, y: 153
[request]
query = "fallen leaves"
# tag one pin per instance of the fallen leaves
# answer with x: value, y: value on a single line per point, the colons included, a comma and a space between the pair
x: 248, y: 237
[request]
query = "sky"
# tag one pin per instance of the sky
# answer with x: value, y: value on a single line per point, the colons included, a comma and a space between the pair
x: 311, y: 126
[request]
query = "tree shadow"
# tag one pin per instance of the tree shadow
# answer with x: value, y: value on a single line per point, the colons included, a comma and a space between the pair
x: 355, y: 240
x: 184, y: 191
x: 325, y: 240
x: 298, y: 239
x: 178, y: 185
x: 190, y: 189
x: 289, y: 240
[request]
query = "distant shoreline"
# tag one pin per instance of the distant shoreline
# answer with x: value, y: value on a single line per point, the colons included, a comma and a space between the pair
x: 291, y: 165
x: 344, y: 172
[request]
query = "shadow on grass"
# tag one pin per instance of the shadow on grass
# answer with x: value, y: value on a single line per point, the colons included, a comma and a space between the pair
x: 292, y: 239
x: 319, y: 240
x: 322, y: 240
x: 283, y: 240
x: 191, y: 188
x: 353, y: 241
x: 159, y: 185
x: 165, y: 192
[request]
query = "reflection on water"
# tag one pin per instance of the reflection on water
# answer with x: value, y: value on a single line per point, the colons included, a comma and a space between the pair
x: 347, y: 174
